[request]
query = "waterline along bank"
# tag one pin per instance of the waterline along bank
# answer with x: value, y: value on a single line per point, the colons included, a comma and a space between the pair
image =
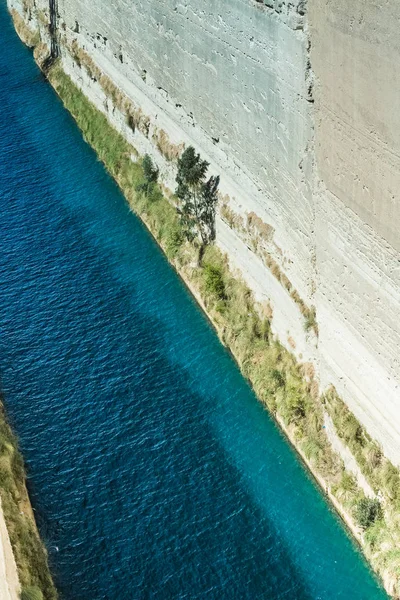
x: 288, y: 389
x: 26, y: 569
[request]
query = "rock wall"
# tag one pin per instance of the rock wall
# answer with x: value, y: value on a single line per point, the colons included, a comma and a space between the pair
x: 355, y: 57
x: 294, y: 105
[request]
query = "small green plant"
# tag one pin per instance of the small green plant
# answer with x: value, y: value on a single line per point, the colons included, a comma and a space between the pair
x: 375, y: 533
x: 214, y: 281
x: 368, y: 510
x: 31, y: 593
x: 294, y: 407
x: 310, y: 319
x: 150, y: 176
x: 390, y: 480
x: 278, y: 377
x: 174, y: 241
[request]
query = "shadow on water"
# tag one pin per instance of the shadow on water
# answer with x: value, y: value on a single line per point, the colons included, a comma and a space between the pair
x: 121, y: 442
x: 153, y: 469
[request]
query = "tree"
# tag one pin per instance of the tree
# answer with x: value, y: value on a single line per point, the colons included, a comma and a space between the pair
x: 198, y: 197
x: 150, y: 175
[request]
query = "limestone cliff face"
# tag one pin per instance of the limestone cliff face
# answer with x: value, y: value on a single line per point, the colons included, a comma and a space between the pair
x: 355, y: 57
x: 294, y: 104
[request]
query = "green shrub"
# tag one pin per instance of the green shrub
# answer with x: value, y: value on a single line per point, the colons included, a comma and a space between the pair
x: 311, y: 449
x: 278, y: 377
x: 174, y: 241
x: 368, y: 510
x: 214, y: 281
x: 310, y: 319
x: 390, y: 479
x: 294, y: 407
x: 375, y: 533
x: 31, y: 593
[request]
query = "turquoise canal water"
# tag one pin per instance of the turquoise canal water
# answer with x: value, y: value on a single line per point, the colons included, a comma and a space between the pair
x: 154, y: 472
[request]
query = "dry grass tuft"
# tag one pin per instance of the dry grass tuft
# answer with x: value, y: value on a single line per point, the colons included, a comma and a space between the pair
x: 265, y: 231
x: 171, y: 152
x: 28, y: 36
x: 40, y: 53
x: 257, y: 234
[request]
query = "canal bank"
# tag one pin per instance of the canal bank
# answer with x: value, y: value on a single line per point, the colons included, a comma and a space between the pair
x: 236, y: 290
x: 24, y: 566
x: 299, y: 411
